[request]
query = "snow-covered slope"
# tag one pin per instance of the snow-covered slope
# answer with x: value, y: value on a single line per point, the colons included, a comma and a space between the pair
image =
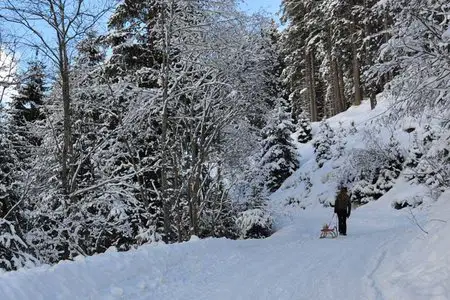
x: 386, y: 255
x: 420, y: 267
x: 324, y: 180
x: 358, y: 128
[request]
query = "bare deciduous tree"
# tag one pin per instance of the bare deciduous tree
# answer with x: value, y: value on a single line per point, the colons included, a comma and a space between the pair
x: 55, y: 26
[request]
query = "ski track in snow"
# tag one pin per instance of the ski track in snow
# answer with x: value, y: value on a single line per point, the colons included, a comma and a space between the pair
x: 373, y: 288
x: 292, y: 264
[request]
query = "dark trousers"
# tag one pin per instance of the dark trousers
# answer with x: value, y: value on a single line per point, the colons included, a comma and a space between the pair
x: 342, y: 218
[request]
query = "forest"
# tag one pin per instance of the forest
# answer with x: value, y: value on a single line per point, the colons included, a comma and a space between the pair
x: 183, y: 116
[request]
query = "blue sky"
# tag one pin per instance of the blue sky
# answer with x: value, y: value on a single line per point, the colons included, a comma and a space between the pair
x: 269, y: 5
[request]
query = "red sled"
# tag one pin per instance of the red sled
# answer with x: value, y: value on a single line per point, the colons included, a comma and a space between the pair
x: 328, y: 232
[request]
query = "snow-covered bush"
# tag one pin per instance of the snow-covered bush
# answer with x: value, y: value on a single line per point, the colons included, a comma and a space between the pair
x: 14, y: 252
x: 429, y: 135
x: 254, y: 223
x: 365, y: 191
x: 294, y: 202
x: 373, y: 171
x: 251, y: 194
x: 434, y: 169
x: 64, y: 229
x: 414, y: 153
x: 428, y: 160
x: 413, y: 201
x: 217, y: 217
x: 148, y: 236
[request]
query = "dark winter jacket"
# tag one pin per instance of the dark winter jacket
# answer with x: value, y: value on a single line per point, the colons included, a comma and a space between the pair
x: 343, y: 204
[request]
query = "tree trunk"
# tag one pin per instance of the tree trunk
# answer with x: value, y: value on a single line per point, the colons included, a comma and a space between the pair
x: 357, y: 80
x: 195, y: 183
x: 386, y: 25
x: 164, y: 162
x: 333, y: 78
x: 336, y: 87
x: 311, y: 86
x: 67, y: 123
x: 340, y: 74
x: 373, y: 100
x: 164, y: 121
x: 356, y: 67
x: 177, y: 186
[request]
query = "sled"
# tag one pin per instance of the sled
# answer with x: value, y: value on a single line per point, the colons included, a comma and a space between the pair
x: 328, y: 230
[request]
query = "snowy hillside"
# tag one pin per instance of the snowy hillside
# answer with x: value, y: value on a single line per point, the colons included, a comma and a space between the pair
x: 386, y: 255
x: 355, y: 133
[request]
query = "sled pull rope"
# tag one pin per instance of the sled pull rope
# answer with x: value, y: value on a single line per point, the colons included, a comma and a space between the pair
x: 332, y: 218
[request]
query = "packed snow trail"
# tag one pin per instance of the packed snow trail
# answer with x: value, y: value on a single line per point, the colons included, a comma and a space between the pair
x: 292, y: 264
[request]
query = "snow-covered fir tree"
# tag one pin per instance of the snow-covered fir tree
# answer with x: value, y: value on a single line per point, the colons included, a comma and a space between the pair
x: 254, y: 223
x: 328, y: 46
x: 415, y: 153
x: 8, y: 164
x: 14, y: 252
x: 18, y: 139
x: 304, y: 129
x: 322, y: 143
x: 279, y: 159
x: 28, y: 102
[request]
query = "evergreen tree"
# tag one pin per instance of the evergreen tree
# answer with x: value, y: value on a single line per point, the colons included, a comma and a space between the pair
x: 27, y: 110
x: 392, y: 168
x: 8, y: 162
x: 14, y: 252
x: 414, y: 153
x: 270, y: 85
x: 274, y: 60
x: 19, y: 138
x: 28, y: 102
x: 254, y: 223
x: 323, y: 142
x: 279, y: 158
x: 304, y: 129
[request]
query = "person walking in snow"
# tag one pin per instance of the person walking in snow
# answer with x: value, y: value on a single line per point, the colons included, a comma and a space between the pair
x: 342, y: 207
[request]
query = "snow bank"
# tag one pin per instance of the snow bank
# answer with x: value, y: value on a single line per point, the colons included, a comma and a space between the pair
x: 420, y: 269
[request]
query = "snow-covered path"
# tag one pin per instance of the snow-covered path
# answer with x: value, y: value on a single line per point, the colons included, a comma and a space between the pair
x: 292, y: 264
